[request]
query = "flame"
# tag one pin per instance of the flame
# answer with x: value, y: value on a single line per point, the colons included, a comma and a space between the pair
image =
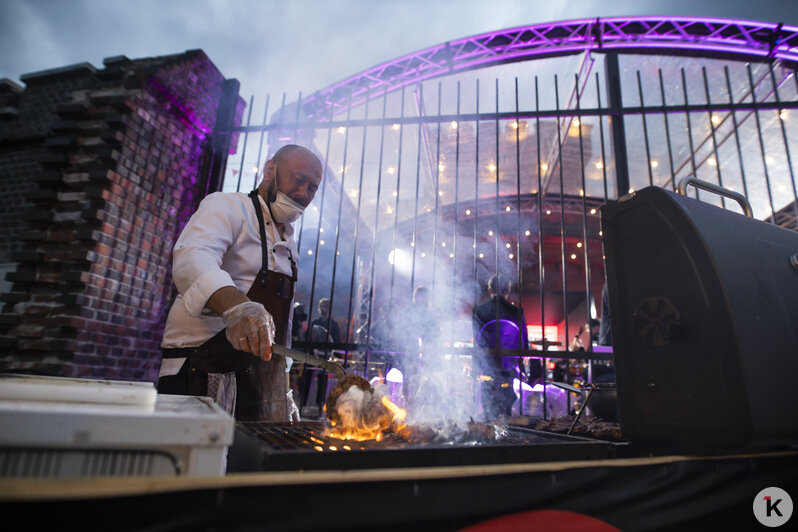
x: 399, y: 414
x: 363, y: 417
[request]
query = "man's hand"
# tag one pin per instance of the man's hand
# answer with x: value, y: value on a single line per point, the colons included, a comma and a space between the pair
x: 249, y: 327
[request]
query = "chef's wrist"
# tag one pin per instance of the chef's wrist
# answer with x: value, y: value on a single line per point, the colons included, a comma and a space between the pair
x: 226, y: 298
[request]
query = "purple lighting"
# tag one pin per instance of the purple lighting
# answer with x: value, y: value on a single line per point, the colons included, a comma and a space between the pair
x: 747, y: 39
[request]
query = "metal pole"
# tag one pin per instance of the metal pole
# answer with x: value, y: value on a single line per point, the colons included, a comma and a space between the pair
x: 618, y: 127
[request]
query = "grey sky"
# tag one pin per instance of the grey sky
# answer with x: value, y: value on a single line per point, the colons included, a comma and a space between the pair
x: 273, y: 46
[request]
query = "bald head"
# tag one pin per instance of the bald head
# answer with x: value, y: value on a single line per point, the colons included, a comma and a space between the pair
x: 293, y: 170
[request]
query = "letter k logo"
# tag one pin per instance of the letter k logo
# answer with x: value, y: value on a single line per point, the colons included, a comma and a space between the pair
x: 772, y: 506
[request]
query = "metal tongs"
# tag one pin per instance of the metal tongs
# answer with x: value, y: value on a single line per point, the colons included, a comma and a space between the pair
x: 329, y: 365
x: 609, y: 386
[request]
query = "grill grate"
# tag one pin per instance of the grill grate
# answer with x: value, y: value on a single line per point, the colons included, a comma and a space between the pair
x: 309, y: 435
x: 284, y: 446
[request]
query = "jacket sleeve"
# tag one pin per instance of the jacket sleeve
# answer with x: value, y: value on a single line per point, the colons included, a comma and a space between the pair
x: 198, y: 253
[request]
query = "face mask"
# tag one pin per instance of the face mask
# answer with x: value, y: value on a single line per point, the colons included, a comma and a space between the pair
x: 284, y: 209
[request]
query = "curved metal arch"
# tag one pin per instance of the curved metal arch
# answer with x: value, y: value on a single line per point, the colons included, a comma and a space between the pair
x: 705, y: 36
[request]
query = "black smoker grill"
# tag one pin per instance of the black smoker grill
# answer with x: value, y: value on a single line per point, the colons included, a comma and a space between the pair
x: 704, y: 312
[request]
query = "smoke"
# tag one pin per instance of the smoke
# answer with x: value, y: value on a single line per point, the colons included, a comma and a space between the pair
x: 443, y: 386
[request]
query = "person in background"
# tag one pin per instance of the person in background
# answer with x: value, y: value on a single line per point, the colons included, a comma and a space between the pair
x: 577, y: 344
x: 234, y: 266
x: 499, y: 324
x: 324, y: 328
x: 604, y: 371
x: 299, y: 318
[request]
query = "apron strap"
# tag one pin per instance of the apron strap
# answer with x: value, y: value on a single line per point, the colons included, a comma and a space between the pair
x: 264, y: 247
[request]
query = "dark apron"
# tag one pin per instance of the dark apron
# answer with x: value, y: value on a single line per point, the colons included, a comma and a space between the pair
x: 261, y: 385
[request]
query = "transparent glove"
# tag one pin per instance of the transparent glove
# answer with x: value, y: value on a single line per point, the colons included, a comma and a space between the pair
x: 293, y: 409
x: 250, y: 328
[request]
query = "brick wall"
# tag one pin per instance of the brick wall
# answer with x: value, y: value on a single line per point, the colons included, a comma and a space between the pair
x: 119, y: 164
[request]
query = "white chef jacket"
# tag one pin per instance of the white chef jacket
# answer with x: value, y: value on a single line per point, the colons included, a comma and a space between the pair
x: 219, y: 246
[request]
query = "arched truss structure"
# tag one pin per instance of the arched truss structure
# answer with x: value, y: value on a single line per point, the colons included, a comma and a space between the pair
x: 680, y: 35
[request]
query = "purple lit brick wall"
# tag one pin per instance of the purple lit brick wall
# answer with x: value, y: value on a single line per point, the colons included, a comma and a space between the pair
x: 119, y: 168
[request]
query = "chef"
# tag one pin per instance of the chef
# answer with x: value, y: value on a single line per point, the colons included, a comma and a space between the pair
x: 234, y: 266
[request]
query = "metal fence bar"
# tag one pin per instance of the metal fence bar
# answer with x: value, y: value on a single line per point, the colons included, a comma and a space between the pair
x: 456, y: 200
x: 689, y: 130
x: 497, y: 233
x: 601, y: 137
x: 477, y: 289
x: 712, y: 132
x: 585, y: 236
x: 374, y: 246
x: 736, y: 132
x: 396, y: 204
x: 761, y: 145
x: 357, y: 217
x: 563, y: 259
x: 618, y: 127
x: 645, y: 132
x: 341, y: 195
x: 541, y: 268
x: 436, y: 191
x: 415, y: 208
x: 244, y: 148
x: 784, y: 139
x: 318, y: 238
x: 260, y: 147
x: 518, y: 268
x: 667, y: 130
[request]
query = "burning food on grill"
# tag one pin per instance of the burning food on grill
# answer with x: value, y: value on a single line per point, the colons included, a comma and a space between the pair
x: 356, y: 412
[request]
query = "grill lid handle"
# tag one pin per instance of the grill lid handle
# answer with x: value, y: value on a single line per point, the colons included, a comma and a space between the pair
x: 736, y: 196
